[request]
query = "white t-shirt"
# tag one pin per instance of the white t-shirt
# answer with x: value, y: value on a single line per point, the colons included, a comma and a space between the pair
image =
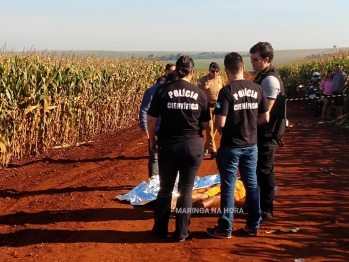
x: 271, y: 86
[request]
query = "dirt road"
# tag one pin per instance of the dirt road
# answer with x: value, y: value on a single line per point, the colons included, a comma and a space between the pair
x: 61, y: 206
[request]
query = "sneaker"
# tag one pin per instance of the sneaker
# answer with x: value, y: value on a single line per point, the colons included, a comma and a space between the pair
x: 216, y: 232
x: 266, y: 215
x: 213, y: 155
x: 251, y: 232
x: 205, y: 153
x: 189, y: 237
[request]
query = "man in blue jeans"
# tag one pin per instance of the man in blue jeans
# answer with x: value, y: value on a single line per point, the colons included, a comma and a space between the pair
x: 339, y: 81
x: 153, y: 168
x: 241, y: 106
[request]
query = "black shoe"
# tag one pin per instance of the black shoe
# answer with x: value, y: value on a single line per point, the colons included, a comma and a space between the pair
x: 159, y: 234
x: 266, y: 215
x: 213, y: 155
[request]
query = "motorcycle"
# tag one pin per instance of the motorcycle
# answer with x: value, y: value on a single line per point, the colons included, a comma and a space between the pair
x: 312, y: 94
x: 300, y: 89
x: 315, y: 101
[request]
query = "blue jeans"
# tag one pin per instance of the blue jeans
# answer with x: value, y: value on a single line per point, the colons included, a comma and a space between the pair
x: 229, y: 161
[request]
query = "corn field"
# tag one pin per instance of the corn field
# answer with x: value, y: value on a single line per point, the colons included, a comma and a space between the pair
x: 300, y: 72
x: 51, y: 101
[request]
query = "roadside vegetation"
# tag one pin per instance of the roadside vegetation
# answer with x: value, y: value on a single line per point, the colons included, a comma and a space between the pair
x: 50, y: 101
x: 300, y: 72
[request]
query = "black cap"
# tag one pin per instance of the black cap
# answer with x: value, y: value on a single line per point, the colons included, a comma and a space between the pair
x: 214, y: 65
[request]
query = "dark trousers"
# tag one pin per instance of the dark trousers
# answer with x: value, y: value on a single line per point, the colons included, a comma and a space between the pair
x: 266, y: 174
x: 183, y: 157
x: 153, y: 168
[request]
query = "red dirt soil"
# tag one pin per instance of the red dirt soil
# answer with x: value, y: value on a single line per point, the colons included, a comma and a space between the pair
x: 61, y: 206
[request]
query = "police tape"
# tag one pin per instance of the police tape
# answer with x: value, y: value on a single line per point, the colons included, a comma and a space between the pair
x: 306, y: 98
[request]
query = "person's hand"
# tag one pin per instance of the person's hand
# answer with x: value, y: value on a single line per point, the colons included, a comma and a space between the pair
x: 146, y: 133
x: 153, y: 146
x: 208, y: 84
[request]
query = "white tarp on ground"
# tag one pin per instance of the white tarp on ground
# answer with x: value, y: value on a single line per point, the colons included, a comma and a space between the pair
x: 145, y: 193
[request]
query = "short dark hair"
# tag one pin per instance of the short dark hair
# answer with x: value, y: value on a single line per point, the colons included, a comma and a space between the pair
x: 214, y: 65
x: 184, y: 65
x: 168, y: 66
x: 171, y: 77
x: 264, y: 48
x: 233, y: 62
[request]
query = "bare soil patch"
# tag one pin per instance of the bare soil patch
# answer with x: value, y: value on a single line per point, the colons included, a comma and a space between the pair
x: 61, y: 206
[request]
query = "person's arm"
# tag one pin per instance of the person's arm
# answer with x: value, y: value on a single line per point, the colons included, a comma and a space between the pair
x: 271, y: 102
x: 204, y: 125
x: 345, y: 83
x: 205, y: 116
x: 151, y: 122
x: 220, y: 123
x: 221, y: 109
x: 271, y: 87
x: 264, y: 109
x: 263, y: 118
x: 143, y: 112
x: 212, y: 201
x: 203, y: 84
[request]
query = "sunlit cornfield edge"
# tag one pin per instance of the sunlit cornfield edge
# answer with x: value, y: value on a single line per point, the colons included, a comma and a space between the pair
x: 50, y: 100
x: 300, y: 72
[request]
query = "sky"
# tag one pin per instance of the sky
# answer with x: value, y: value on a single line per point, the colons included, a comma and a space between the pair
x: 180, y: 25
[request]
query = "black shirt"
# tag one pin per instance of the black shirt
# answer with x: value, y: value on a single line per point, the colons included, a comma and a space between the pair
x: 161, y: 80
x: 182, y: 107
x: 241, y: 101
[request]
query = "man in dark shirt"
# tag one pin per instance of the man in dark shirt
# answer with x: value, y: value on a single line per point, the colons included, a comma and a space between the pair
x: 340, y: 80
x: 268, y: 77
x: 241, y: 106
x: 170, y: 68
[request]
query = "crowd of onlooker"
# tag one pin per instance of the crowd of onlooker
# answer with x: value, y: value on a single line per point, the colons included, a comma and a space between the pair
x: 334, y: 83
x: 332, y: 88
